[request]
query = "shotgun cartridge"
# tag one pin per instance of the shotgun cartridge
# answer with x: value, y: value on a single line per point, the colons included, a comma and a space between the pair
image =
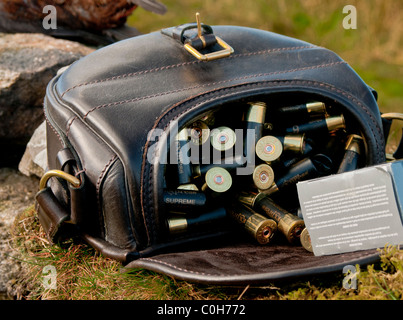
x: 254, y: 120
x: 262, y: 229
x: 303, y: 112
x: 184, y: 165
x: 289, y: 162
x: 199, y: 132
x: 307, y: 168
x: 269, y: 148
x: 182, y: 224
x: 222, y: 138
x: 184, y: 199
x: 316, y: 109
x: 263, y: 176
x: 352, y: 154
x: 293, y: 142
x: 320, y: 126
x: 306, y: 240
x: 288, y: 224
x: 218, y: 180
x: 229, y: 164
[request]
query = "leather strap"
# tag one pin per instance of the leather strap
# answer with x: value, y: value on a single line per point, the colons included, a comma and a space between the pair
x: 201, y: 43
x: 51, y: 213
x: 399, y: 151
x: 64, y: 156
x: 186, y: 31
x: 386, y: 125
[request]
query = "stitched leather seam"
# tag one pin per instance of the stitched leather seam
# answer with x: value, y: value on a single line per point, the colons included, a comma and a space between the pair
x: 133, y: 74
x: 98, y: 185
x: 52, y: 127
x: 69, y: 125
x: 272, y: 83
x: 150, y: 209
x: 185, y: 270
x: 80, y: 172
x: 200, y: 86
x: 102, y: 175
x: 54, y: 131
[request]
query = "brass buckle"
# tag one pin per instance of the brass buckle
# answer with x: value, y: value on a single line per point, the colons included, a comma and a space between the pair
x: 227, y: 49
x: 75, y: 182
x: 212, y: 55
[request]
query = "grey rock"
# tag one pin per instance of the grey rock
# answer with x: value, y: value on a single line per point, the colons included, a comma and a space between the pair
x: 27, y: 63
x: 34, y: 160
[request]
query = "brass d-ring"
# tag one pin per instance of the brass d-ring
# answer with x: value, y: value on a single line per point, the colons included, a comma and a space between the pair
x: 75, y: 182
x: 393, y: 116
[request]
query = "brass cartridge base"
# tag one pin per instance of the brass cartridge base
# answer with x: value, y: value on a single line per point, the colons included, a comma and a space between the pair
x: 294, y: 142
x: 269, y: 148
x: 291, y: 226
x: 199, y: 132
x: 256, y: 112
x: 306, y: 240
x: 334, y: 123
x: 177, y: 225
x: 222, y: 138
x: 218, y: 179
x: 263, y: 176
x: 316, y: 108
x: 261, y: 228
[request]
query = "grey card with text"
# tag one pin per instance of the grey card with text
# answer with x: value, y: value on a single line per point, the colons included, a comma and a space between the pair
x: 353, y: 211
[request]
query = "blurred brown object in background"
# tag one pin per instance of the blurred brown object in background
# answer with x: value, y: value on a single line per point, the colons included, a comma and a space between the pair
x: 96, y: 22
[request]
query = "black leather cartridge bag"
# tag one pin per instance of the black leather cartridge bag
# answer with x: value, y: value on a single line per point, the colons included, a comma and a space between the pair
x: 109, y: 121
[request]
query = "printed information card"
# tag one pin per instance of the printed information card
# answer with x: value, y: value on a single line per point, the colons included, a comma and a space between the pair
x: 356, y: 210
